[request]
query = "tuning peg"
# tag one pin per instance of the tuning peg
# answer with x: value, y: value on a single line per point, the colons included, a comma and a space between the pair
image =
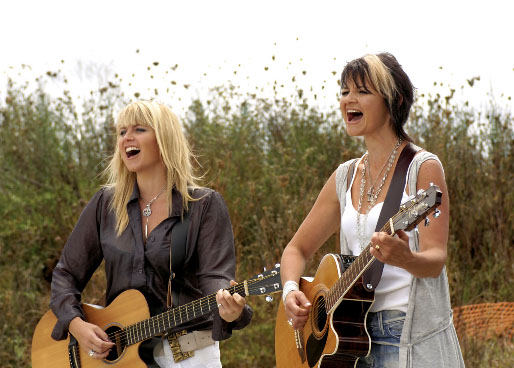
x: 269, y: 298
x: 419, y: 192
x: 427, y: 221
x: 277, y: 265
x: 437, y: 213
x: 264, y: 269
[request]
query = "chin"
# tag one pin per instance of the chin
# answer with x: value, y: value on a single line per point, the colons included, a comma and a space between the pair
x: 130, y: 168
x: 353, y: 132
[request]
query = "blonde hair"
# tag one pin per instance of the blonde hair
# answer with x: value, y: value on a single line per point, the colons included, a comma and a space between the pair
x: 174, y: 150
x: 381, y: 78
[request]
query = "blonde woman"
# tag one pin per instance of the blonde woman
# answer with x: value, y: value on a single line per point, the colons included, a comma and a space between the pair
x: 410, y: 323
x: 129, y: 222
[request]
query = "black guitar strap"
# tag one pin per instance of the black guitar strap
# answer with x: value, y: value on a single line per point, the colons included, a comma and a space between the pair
x: 391, y: 206
x: 178, y: 248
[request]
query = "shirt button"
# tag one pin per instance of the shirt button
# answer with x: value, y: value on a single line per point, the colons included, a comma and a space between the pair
x: 152, y: 238
x: 166, y: 226
x: 140, y: 271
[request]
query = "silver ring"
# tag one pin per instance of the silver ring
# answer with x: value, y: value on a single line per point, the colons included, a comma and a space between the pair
x: 377, y: 247
x: 220, y: 305
x: 290, y: 321
x: 91, y: 353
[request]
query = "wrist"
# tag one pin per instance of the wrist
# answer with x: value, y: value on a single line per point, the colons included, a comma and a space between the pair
x: 289, y: 286
x: 74, y: 323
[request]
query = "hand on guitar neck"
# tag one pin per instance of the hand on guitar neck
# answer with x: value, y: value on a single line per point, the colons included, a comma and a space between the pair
x: 297, y: 308
x: 91, y: 337
x: 230, y: 306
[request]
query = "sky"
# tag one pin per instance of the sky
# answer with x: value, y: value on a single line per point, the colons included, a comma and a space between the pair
x: 447, y: 42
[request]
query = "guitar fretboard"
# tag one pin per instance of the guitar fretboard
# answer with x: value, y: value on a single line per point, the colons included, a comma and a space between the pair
x: 352, y: 274
x: 161, y: 323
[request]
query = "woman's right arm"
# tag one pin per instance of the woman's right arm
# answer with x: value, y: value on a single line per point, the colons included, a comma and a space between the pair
x: 321, y: 222
x: 81, y: 256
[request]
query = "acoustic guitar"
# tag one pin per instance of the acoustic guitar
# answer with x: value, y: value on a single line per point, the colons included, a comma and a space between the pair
x: 127, y: 322
x: 335, y: 333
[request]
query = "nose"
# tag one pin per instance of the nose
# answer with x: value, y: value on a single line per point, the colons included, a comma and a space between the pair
x: 129, y: 134
x: 351, y: 96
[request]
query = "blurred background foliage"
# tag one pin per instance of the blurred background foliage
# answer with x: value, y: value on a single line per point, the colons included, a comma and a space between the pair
x: 269, y: 156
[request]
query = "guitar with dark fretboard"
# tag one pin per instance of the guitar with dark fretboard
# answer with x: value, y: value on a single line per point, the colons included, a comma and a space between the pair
x: 127, y: 322
x: 335, y: 333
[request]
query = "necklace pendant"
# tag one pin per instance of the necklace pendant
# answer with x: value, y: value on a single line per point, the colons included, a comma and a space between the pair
x: 370, y: 195
x: 147, y: 211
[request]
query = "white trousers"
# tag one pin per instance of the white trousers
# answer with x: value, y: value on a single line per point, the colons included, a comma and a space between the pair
x: 207, y: 357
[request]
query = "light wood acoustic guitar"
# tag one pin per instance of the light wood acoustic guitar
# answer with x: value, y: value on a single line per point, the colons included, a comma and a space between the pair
x: 335, y: 333
x: 127, y: 322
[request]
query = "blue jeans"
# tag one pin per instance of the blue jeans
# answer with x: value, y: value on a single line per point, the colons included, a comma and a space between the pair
x: 385, y: 329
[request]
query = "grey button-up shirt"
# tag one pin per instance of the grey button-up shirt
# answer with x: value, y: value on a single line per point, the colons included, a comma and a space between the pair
x: 209, y: 262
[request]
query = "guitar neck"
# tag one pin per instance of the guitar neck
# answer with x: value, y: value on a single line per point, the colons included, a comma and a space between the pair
x: 352, y: 273
x: 161, y: 323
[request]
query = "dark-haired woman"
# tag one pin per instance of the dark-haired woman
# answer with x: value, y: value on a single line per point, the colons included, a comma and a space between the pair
x: 410, y: 322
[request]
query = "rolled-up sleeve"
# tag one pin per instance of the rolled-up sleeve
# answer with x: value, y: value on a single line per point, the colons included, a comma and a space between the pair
x: 81, y: 256
x: 216, y: 261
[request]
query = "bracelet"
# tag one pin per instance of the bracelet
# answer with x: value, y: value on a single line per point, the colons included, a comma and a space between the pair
x: 288, y: 287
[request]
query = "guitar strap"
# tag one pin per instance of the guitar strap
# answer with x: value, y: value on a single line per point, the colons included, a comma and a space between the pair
x: 178, y: 242
x: 391, y: 206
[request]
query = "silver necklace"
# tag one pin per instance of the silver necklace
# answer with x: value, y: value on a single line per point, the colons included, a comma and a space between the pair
x: 389, y: 162
x: 361, y: 228
x: 147, y: 211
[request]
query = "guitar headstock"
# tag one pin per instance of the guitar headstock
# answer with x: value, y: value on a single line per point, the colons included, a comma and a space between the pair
x: 416, y: 209
x: 267, y: 282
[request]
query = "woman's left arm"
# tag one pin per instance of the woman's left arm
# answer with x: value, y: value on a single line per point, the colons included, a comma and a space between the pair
x: 216, y: 267
x: 430, y: 259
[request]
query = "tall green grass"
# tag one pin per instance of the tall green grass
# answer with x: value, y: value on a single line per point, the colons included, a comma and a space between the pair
x: 269, y: 157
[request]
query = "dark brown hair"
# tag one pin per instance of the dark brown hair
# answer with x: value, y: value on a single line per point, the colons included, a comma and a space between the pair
x: 386, y: 76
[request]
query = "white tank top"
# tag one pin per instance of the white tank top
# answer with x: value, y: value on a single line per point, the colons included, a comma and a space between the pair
x: 393, y: 289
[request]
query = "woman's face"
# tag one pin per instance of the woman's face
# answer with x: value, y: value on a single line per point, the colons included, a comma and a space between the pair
x: 364, y: 110
x: 138, y: 148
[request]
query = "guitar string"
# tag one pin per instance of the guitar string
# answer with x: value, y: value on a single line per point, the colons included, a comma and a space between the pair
x: 346, y: 278
x: 182, y: 310
x: 143, y: 327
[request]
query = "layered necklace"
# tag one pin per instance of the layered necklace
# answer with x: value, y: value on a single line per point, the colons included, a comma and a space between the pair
x: 147, y: 211
x: 372, y: 194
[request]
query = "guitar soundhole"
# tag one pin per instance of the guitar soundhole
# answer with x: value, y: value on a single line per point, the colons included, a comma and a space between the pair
x: 118, y: 337
x: 319, y: 316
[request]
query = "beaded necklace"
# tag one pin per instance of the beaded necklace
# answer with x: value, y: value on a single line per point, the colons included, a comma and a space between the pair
x: 372, y: 194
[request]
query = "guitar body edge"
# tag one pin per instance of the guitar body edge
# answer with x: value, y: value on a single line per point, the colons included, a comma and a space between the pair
x: 128, y: 308
x: 337, y: 339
